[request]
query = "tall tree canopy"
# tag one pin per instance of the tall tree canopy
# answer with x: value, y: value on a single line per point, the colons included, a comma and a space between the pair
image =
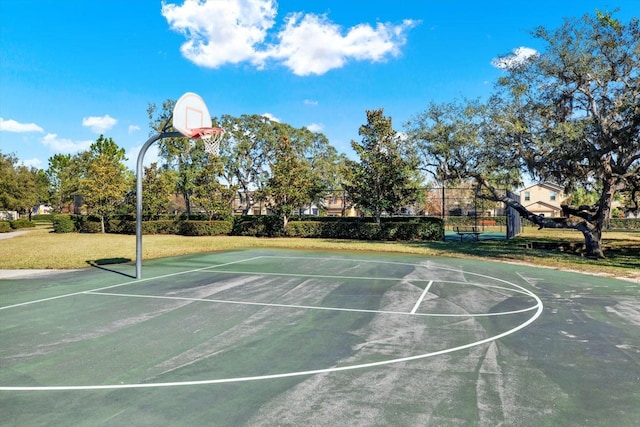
x: 570, y: 115
x: 106, y: 180
x: 385, y: 179
x: 21, y: 187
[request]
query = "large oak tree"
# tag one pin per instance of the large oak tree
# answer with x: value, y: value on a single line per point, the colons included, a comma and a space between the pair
x: 569, y: 114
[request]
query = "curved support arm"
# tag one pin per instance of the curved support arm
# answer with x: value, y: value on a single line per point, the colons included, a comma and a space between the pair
x: 139, y: 170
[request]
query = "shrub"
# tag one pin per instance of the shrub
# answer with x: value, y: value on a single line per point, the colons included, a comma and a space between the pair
x: 63, y: 224
x: 91, y: 227
x: 305, y: 229
x: 258, y: 226
x: 355, y: 228
x: 5, y: 227
x: 625, y: 223
x: 21, y: 223
x: 42, y: 218
x: 205, y: 228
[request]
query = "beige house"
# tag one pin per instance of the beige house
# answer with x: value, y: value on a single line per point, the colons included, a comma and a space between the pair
x: 543, y: 199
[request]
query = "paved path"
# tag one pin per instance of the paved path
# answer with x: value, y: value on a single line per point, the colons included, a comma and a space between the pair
x: 12, y: 234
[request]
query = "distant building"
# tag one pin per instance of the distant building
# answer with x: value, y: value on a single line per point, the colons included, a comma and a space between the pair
x: 543, y: 199
x: 9, y: 215
x: 41, y: 210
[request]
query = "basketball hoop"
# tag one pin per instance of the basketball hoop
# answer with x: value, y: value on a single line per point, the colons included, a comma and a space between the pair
x: 211, y: 138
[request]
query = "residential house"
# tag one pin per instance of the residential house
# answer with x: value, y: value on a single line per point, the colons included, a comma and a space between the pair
x: 543, y: 199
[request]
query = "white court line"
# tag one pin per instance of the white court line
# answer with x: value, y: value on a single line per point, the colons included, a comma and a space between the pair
x: 395, y: 279
x: 311, y: 307
x: 124, y: 284
x: 415, y: 307
x: 316, y: 276
x: 287, y: 374
x: 538, y: 306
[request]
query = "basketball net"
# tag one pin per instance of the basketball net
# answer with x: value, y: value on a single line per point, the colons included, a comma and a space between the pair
x: 211, y: 138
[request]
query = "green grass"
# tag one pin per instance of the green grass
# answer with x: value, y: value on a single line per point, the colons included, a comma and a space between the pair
x: 40, y: 248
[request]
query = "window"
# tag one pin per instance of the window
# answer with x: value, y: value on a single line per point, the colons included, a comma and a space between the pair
x: 552, y: 196
x: 527, y: 196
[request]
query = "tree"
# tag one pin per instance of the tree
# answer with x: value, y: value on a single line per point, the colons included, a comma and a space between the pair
x: 248, y: 144
x: 385, y: 180
x: 21, y: 187
x: 63, y: 180
x: 157, y: 187
x: 570, y: 115
x: 292, y: 182
x: 106, y: 179
x: 210, y: 194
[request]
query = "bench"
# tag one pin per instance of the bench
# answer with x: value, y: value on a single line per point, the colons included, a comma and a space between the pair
x: 468, y: 231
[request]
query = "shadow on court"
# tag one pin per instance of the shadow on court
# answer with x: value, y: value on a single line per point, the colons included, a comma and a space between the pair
x: 280, y: 337
x: 102, y: 263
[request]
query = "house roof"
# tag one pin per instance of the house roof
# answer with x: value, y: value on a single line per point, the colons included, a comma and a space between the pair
x: 549, y: 185
x: 545, y: 205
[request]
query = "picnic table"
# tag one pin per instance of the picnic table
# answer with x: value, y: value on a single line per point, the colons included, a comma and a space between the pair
x: 468, y: 231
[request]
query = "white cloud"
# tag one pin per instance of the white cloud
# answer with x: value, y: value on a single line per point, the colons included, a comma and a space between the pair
x: 220, y: 32
x: 99, y: 124
x: 310, y: 44
x: 271, y: 117
x: 235, y: 31
x: 133, y: 128
x: 518, y: 57
x: 64, y: 145
x: 315, y: 127
x: 310, y: 102
x: 13, y: 126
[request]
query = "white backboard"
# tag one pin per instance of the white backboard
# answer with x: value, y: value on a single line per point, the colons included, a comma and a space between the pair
x: 190, y: 112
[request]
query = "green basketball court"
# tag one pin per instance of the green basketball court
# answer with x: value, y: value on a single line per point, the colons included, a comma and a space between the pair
x: 280, y: 337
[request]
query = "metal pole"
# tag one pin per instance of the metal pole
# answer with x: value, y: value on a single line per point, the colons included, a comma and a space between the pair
x: 139, y: 170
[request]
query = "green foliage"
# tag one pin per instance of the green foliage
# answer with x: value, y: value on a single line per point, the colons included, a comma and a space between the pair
x: 5, y: 227
x: 157, y: 187
x: 291, y: 181
x: 568, y: 115
x: 21, y: 187
x: 211, y: 195
x: 63, y: 224
x: 106, y: 179
x: 258, y: 226
x: 42, y: 217
x: 63, y: 174
x: 21, y: 223
x: 205, y: 228
x: 343, y: 228
x: 625, y: 223
x: 385, y: 178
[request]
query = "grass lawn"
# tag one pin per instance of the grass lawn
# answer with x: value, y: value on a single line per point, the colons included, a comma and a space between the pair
x: 40, y: 248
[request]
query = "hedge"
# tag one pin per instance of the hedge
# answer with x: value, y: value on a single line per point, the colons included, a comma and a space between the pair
x: 5, y: 227
x: 258, y: 226
x: 63, y: 224
x: 42, y: 217
x: 625, y: 223
x: 205, y: 228
x: 21, y: 223
x: 391, y: 228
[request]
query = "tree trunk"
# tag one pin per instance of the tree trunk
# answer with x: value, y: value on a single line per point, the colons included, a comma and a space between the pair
x: 187, y: 203
x: 593, y: 243
x: 102, y: 224
x: 591, y: 229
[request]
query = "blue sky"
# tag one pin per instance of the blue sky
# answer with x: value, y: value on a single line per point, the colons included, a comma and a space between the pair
x: 71, y: 70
